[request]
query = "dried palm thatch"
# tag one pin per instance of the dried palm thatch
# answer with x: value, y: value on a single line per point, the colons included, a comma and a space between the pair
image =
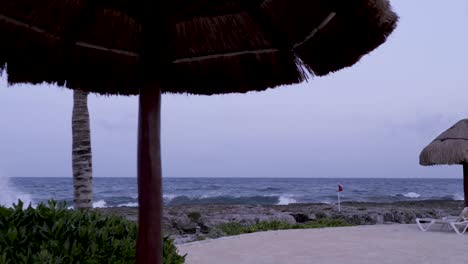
x: 212, y: 47
x: 451, y: 147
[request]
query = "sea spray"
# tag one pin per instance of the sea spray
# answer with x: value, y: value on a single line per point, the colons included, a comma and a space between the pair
x: 100, y: 204
x: 412, y: 195
x: 285, y: 200
x: 97, y: 204
x: 458, y: 197
x: 128, y: 205
x: 9, y: 195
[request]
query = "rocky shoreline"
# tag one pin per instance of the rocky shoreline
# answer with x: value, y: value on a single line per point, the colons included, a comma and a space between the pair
x: 186, y: 223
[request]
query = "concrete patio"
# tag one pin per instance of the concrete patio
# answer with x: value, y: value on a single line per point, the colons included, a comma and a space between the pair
x: 349, y: 245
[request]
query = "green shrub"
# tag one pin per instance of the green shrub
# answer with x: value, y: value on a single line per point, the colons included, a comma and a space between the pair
x: 194, y: 216
x: 325, y: 222
x: 53, y: 234
x: 231, y: 229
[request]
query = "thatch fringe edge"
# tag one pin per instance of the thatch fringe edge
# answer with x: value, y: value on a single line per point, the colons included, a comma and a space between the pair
x: 448, y: 152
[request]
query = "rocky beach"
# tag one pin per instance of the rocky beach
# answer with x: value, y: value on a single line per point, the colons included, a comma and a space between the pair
x: 186, y: 223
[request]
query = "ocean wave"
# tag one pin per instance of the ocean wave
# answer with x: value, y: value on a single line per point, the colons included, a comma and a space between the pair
x: 10, y: 195
x: 328, y: 202
x: 128, y: 205
x: 172, y: 199
x: 267, y: 200
x: 455, y: 197
x: 169, y: 197
x: 268, y: 189
x: 100, y: 204
x: 285, y: 200
x: 257, y: 200
x: 213, y: 187
x: 97, y: 204
x: 412, y: 195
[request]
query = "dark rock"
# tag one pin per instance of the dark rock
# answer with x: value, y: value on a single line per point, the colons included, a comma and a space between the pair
x: 321, y: 215
x: 185, y: 224
x: 312, y: 217
x: 301, y: 218
x: 194, y: 222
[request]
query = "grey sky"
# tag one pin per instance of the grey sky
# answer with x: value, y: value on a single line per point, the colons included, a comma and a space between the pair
x: 371, y: 120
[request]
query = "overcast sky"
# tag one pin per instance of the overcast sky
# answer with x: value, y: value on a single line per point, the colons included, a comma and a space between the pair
x: 371, y: 120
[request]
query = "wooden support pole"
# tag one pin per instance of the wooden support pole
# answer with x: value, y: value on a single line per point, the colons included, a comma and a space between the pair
x: 149, y: 242
x: 157, y: 30
x: 465, y: 182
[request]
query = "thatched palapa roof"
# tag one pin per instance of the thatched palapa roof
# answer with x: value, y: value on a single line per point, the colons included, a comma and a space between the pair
x: 451, y: 147
x: 214, y: 47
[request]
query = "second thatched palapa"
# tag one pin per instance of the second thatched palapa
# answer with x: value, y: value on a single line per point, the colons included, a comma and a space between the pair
x: 183, y: 46
x: 450, y: 147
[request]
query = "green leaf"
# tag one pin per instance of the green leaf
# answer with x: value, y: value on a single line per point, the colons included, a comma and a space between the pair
x: 50, y: 233
x: 12, y: 234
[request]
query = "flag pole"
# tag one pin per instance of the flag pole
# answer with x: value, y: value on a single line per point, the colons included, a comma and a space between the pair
x: 339, y: 205
x: 340, y: 189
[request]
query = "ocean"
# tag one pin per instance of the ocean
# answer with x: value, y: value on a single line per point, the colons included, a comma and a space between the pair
x: 112, y: 192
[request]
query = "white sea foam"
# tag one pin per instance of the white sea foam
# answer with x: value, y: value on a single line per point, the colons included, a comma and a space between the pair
x: 128, y: 205
x: 458, y: 197
x: 412, y: 195
x: 285, y: 200
x: 327, y: 202
x: 169, y: 197
x: 100, y: 204
x: 9, y: 195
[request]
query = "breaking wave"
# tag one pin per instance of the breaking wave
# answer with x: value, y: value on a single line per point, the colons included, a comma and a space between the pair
x: 257, y: 200
x: 186, y: 200
x: 412, y: 195
x: 128, y: 205
x: 458, y: 197
x: 100, y: 204
x: 10, y: 195
x: 285, y: 200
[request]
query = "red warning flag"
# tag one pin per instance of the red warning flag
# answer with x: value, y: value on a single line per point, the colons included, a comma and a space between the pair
x: 340, y: 188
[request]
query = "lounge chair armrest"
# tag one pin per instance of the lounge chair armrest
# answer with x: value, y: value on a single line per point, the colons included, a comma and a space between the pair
x: 461, y: 223
x: 449, y: 218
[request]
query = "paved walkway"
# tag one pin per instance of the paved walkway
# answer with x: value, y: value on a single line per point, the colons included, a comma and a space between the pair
x: 378, y: 244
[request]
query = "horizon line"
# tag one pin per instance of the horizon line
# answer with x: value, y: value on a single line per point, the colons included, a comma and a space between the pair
x: 221, y: 177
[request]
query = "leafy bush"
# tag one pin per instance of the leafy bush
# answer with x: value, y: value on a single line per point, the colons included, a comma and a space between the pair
x: 231, y: 229
x: 194, y: 216
x: 53, y: 234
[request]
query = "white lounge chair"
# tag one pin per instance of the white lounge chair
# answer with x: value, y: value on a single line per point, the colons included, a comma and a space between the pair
x: 459, y: 224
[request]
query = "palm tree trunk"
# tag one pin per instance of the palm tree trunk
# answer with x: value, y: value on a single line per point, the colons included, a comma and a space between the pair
x: 81, y: 153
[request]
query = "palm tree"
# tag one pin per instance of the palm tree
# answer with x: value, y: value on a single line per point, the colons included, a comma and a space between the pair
x: 81, y: 153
